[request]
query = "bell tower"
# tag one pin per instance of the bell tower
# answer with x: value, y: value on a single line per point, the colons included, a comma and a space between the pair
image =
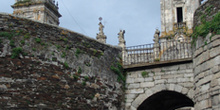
x: 45, y: 11
x: 177, y: 18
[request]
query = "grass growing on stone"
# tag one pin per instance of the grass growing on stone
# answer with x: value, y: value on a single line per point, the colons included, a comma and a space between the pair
x: 63, y: 54
x: 206, y: 27
x: 118, y: 69
x: 145, y: 74
x: 16, y: 52
x: 38, y: 40
x: 79, y: 70
x: 77, y: 52
x: 66, y: 65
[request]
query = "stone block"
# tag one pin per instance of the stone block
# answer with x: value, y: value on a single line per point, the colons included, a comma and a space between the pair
x: 215, y: 69
x: 157, y: 77
x: 172, y: 80
x: 130, y: 96
x: 129, y: 80
x: 190, y: 93
x: 133, y: 86
x: 183, y: 80
x: 198, y: 51
x: 188, y: 85
x: 136, y: 80
x: 132, y: 75
x: 189, y: 71
x: 148, y: 79
x: 171, y: 87
x: 216, y: 100
x: 185, y: 91
x: 214, y: 52
x: 161, y: 81
x: 135, y: 91
x: 178, y: 88
x: 204, y: 80
x: 216, y: 43
x: 139, y: 100
x: 147, y: 84
x: 188, y: 75
x: 205, y: 87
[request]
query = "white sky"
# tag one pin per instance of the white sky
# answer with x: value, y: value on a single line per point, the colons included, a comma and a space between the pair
x: 139, y: 18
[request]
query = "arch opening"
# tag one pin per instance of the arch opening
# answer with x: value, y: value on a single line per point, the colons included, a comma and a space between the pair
x: 166, y: 100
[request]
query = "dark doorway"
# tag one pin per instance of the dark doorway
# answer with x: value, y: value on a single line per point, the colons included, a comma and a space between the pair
x: 166, y: 100
x: 179, y: 15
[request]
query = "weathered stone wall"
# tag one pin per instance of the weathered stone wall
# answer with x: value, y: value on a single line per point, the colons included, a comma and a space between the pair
x: 206, y: 61
x: 206, y: 64
x: 210, y: 8
x: 47, y: 67
x: 178, y: 77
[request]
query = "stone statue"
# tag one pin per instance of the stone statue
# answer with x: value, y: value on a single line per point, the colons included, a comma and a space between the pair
x: 156, y: 36
x: 101, y: 36
x: 121, y: 38
x: 101, y: 28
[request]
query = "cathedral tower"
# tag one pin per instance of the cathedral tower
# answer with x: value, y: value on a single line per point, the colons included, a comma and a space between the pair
x: 41, y: 10
x: 177, y: 18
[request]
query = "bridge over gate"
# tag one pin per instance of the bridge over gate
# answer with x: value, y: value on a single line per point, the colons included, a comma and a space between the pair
x: 160, y: 76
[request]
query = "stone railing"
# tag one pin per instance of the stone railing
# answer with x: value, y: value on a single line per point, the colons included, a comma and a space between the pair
x: 157, y: 52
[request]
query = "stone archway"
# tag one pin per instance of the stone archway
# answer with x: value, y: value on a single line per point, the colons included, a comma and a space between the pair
x: 166, y: 100
x: 188, y: 92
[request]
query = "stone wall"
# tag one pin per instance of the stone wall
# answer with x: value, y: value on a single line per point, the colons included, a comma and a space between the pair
x: 206, y: 61
x: 175, y: 77
x: 210, y: 8
x: 48, y: 67
x: 207, y: 75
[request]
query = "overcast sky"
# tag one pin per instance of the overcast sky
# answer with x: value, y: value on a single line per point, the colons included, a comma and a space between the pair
x: 139, y: 18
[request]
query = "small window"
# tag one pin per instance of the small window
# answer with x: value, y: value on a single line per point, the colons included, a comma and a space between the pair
x: 179, y: 15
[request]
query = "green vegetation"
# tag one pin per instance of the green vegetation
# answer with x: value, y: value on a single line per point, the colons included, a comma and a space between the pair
x: 22, y: 42
x: 34, y: 49
x: 0, y: 40
x: 67, y: 47
x: 27, y: 36
x: 58, y: 46
x: 63, y: 39
x: 79, y: 70
x: 145, y: 74
x: 84, y: 83
x: 38, y: 40
x: 100, y: 54
x: 209, y: 9
x: 88, y: 64
x: 77, y: 52
x: 16, y: 52
x: 63, y: 54
x: 12, y: 43
x: 75, y: 77
x: 207, y: 27
x: 86, y: 78
x: 119, y: 71
x: 66, y: 65
x: 54, y: 59
x: 6, y: 34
